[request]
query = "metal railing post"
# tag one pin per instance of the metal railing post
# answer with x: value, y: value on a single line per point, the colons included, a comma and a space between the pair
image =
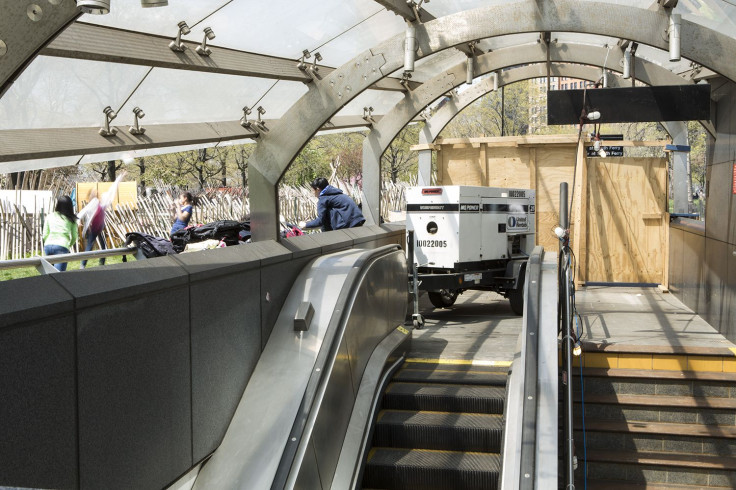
x: 567, y: 338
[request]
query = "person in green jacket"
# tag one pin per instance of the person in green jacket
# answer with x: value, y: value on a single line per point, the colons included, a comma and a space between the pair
x: 60, y: 230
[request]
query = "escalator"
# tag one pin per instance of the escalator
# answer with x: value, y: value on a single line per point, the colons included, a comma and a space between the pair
x: 440, y: 427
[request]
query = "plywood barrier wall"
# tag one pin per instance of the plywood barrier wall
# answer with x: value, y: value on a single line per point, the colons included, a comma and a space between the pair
x: 617, y: 246
x: 627, y: 228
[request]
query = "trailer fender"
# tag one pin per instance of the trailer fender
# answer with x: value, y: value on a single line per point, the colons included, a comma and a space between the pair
x: 515, y: 269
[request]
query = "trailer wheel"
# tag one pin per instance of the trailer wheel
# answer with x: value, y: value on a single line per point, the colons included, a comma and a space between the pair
x: 444, y: 298
x: 516, y: 296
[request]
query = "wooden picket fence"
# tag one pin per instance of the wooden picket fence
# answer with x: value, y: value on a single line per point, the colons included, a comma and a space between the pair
x: 21, y: 231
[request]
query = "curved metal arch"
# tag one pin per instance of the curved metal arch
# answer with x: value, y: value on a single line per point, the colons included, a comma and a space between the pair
x: 25, y: 28
x: 384, y: 132
x: 275, y: 152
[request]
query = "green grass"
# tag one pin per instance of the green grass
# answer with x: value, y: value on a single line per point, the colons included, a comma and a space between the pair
x: 10, y: 274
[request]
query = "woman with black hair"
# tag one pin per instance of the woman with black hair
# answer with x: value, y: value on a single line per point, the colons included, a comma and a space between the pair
x: 182, y: 208
x: 60, y: 230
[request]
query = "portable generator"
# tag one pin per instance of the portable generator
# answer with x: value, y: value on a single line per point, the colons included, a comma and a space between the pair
x: 468, y: 237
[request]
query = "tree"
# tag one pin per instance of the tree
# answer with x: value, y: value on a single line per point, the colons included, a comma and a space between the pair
x: 312, y: 162
x: 398, y: 161
x: 241, y: 154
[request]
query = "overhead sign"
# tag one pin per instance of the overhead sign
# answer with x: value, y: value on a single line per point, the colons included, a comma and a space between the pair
x: 611, y: 151
x: 631, y: 104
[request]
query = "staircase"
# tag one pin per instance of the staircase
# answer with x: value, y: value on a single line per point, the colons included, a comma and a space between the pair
x: 656, y: 429
x: 440, y: 428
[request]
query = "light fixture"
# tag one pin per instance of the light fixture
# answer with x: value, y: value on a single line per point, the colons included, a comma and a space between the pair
x: 106, y: 130
x: 577, y: 349
x: 627, y: 64
x: 310, y: 69
x: 202, y: 49
x: 176, y: 44
x: 154, y: 3
x: 368, y: 115
x: 593, y: 116
x: 136, y: 128
x: 96, y: 7
x: 674, y: 36
x: 410, y: 47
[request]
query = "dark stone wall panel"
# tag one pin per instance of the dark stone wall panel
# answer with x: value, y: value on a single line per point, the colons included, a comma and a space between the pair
x: 719, y: 187
x: 716, y: 281
x: 226, y: 346
x: 38, y: 412
x: 134, y: 391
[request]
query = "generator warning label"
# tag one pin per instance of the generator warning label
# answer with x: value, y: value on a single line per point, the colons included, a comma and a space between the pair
x: 517, y: 223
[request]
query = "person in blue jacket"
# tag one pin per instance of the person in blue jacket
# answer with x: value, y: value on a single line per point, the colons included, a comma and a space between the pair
x: 335, y: 210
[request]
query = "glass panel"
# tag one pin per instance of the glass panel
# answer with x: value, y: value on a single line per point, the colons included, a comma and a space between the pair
x: 283, y: 28
x: 39, y: 164
x: 178, y: 96
x: 57, y: 92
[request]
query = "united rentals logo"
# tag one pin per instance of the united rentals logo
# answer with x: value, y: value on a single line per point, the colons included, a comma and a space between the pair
x: 434, y: 191
x: 517, y: 222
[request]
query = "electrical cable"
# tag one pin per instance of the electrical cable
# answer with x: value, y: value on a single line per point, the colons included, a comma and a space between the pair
x: 212, y: 13
x: 346, y: 30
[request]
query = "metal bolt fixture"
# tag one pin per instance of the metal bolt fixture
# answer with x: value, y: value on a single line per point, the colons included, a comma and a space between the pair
x: 176, y: 44
x: 244, y: 120
x: 260, y: 123
x: 34, y: 12
x: 311, y: 69
x: 106, y: 130
x: 154, y: 3
x: 368, y: 115
x: 96, y: 7
x: 405, y: 77
x: 136, y: 128
x: 3, y: 48
x: 202, y: 49
x: 415, y: 6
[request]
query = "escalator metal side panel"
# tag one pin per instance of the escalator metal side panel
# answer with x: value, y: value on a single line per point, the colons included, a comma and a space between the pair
x: 390, y: 352
x: 375, y: 308
x: 251, y: 449
x: 547, y: 391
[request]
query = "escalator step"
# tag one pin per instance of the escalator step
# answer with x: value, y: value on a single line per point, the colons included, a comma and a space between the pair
x: 414, y: 469
x: 439, y: 430
x: 470, y: 377
x: 444, y: 397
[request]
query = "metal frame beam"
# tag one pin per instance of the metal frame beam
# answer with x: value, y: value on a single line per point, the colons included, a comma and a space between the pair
x: 275, y: 152
x: 31, y: 144
x: 107, y: 44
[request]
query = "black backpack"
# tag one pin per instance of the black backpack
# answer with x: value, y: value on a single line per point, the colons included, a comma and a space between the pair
x: 150, y: 246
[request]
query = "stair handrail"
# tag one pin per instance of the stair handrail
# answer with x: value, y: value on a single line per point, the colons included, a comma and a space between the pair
x: 566, y: 289
x: 520, y: 441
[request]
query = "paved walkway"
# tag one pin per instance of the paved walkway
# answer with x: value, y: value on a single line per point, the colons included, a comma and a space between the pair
x: 479, y: 327
x: 614, y: 316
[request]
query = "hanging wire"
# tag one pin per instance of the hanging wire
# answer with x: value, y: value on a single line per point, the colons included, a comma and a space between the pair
x: 265, y: 93
x: 134, y: 90
x: 212, y: 13
x: 348, y: 29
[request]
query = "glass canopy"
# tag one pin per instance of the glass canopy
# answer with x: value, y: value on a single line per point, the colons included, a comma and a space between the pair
x: 58, y: 92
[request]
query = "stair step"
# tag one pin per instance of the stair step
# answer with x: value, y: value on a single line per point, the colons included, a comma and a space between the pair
x: 415, y: 469
x: 664, y: 414
x: 622, y: 441
x: 438, y: 430
x: 619, y: 484
x: 661, y: 401
x: 694, y: 461
x: 442, y: 375
x: 651, y: 474
x: 718, y: 431
x: 659, y: 374
x: 460, y: 366
x: 445, y: 397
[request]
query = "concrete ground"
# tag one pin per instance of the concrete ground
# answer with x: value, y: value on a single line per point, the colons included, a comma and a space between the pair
x: 642, y: 316
x: 480, y: 326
